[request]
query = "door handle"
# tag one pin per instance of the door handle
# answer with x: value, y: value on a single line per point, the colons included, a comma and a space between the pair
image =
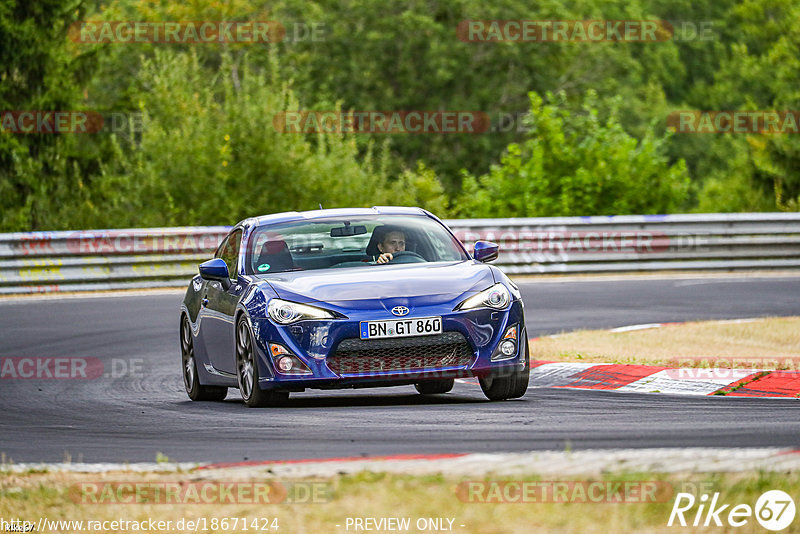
x: 205, y: 301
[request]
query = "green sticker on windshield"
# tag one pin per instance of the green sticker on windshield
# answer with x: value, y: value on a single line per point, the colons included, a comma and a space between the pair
x: 263, y: 267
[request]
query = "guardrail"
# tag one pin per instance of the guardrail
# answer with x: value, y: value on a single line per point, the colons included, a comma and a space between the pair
x: 41, y: 262
x: 92, y: 260
x: 722, y: 242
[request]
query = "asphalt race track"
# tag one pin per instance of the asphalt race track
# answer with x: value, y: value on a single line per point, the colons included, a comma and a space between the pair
x: 142, y: 409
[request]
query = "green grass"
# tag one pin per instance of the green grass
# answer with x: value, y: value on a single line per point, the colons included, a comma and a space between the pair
x: 376, y: 495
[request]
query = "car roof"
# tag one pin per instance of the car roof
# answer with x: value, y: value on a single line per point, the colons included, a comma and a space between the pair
x: 289, y: 216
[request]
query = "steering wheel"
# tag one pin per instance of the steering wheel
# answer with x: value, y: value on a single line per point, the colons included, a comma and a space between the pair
x: 406, y: 256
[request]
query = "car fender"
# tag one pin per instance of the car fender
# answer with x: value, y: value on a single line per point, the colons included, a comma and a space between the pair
x: 253, y: 304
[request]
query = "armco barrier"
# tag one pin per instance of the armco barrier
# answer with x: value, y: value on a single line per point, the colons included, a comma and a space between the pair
x: 40, y: 262
x: 723, y: 242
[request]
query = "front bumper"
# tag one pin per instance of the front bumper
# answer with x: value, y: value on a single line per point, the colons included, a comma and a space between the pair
x: 337, y: 358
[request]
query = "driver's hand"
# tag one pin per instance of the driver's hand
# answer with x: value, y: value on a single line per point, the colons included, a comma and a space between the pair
x: 386, y: 257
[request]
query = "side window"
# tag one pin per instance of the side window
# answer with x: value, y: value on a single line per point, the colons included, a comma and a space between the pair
x: 221, y: 247
x: 229, y: 252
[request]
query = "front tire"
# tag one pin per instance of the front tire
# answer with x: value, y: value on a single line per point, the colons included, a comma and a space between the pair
x: 434, y: 387
x: 195, y: 390
x: 247, y: 371
x: 512, y: 386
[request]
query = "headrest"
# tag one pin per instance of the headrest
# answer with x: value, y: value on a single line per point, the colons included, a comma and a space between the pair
x: 275, y: 254
x: 274, y: 247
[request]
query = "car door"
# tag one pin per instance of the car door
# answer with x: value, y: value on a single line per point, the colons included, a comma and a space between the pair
x: 219, y: 306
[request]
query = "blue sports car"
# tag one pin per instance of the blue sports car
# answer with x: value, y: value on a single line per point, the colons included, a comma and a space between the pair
x: 346, y: 298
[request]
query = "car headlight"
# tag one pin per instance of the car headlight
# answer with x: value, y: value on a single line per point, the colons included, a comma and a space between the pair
x: 496, y: 297
x: 287, y: 312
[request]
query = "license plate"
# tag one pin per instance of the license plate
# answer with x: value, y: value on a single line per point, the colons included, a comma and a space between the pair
x: 422, y: 326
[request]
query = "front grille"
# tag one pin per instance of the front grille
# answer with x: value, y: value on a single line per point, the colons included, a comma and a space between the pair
x: 415, y: 354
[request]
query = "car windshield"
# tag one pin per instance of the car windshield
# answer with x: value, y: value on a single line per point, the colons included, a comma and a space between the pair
x: 339, y: 242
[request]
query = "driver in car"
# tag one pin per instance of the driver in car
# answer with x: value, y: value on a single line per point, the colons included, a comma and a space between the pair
x: 394, y: 241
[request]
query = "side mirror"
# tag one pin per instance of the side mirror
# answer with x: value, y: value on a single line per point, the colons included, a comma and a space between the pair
x: 486, y: 251
x: 216, y: 270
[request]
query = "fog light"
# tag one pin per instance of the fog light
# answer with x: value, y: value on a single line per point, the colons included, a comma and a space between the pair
x: 508, y: 347
x: 285, y: 363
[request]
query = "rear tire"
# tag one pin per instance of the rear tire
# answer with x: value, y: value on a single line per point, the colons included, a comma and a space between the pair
x: 512, y: 386
x: 195, y: 390
x: 434, y: 387
x: 247, y: 372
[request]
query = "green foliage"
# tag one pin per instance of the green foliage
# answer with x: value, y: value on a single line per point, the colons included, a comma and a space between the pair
x: 420, y: 188
x: 756, y: 69
x: 577, y: 164
x: 406, y: 56
x: 37, y: 73
x: 210, y: 154
x: 734, y: 189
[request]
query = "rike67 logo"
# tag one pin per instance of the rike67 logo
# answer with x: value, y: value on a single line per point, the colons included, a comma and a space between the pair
x: 774, y: 510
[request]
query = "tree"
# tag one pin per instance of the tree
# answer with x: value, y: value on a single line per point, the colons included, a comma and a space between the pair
x: 577, y: 164
x: 38, y: 73
x: 210, y: 152
x: 757, y: 72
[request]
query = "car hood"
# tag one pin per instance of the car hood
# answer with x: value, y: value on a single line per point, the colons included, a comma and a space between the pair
x: 436, y: 281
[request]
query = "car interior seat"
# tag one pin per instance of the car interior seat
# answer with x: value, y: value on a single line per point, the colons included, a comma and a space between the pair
x: 276, y: 254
